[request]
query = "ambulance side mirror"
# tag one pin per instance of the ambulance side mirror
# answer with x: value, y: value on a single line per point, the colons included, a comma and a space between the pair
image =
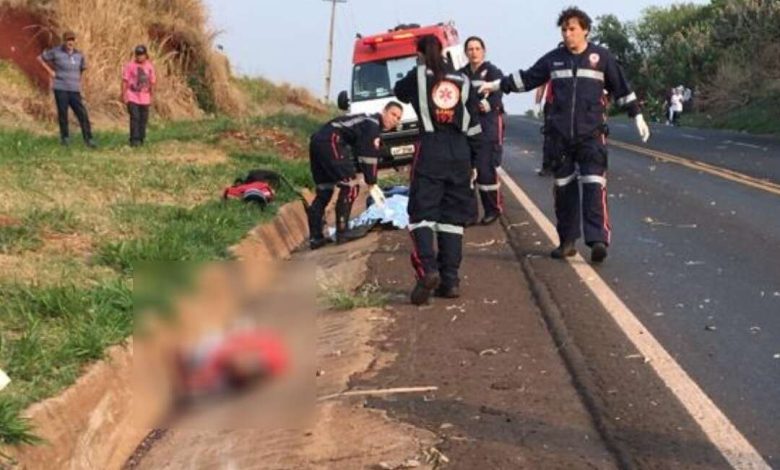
x: 343, y: 101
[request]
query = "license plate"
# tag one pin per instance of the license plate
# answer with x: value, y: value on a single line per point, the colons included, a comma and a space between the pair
x: 402, y: 150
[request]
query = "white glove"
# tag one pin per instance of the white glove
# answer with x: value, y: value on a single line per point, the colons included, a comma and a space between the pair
x: 377, y: 194
x: 490, y: 87
x: 641, y: 127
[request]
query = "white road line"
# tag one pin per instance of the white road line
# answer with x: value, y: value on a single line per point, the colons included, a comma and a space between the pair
x: 750, y: 146
x: 694, y: 137
x: 743, y: 144
x: 721, y: 432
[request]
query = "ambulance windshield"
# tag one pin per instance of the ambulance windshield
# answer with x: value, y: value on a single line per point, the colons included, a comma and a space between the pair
x: 373, y: 80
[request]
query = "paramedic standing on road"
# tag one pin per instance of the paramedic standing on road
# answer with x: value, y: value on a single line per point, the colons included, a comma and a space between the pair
x: 441, y: 188
x: 333, y: 166
x: 580, y: 73
x: 491, y: 118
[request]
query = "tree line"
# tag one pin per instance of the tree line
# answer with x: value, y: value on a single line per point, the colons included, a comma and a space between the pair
x: 727, y: 51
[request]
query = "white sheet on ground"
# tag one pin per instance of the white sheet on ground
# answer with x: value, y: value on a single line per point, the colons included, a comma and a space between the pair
x: 392, y: 212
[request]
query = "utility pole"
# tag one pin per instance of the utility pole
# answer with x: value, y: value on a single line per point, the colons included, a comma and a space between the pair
x: 329, y: 67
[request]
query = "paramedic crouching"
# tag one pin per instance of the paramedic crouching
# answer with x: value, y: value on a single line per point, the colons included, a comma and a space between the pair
x: 332, y: 154
x: 580, y: 73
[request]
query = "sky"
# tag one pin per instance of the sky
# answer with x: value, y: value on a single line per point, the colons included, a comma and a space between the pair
x: 286, y: 41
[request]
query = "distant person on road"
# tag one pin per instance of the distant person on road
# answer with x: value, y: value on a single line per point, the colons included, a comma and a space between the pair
x: 676, y: 107
x: 580, y: 72
x: 491, y: 118
x: 138, y: 81
x: 66, y: 65
x: 441, y: 192
x: 331, y: 152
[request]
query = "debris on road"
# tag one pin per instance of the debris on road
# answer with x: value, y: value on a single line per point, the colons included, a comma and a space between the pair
x: 710, y: 328
x: 653, y: 222
x: 386, y: 391
x: 489, y: 352
x: 482, y: 245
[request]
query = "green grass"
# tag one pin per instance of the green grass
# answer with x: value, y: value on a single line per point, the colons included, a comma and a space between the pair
x: 26, y: 235
x: 393, y: 179
x: 367, y: 296
x: 758, y: 118
x: 48, y: 333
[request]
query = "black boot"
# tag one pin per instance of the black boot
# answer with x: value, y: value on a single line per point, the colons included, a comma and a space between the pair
x: 490, y: 218
x: 598, y: 252
x: 319, y: 242
x: 451, y: 292
x: 422, y: 290
x: 315, y: 214
x: 343, y: 211
x: 565, y: 250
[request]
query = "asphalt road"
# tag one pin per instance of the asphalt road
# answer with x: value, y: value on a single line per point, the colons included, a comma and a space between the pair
x: 694, y: 256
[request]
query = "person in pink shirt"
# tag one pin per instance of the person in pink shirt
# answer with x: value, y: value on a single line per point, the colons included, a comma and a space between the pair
x: 138, y: 80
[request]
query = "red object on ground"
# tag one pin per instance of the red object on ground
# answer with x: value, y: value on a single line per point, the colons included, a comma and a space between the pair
x: 267, y: 348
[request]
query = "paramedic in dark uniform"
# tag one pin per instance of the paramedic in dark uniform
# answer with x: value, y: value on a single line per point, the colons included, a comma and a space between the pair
x: 441, y: 190
x: 580, y: 72
x: 548, y: 148
x: 491, y: 119
x: 333, y: 152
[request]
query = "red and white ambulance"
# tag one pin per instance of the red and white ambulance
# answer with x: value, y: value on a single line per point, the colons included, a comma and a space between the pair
x: 379, y: 61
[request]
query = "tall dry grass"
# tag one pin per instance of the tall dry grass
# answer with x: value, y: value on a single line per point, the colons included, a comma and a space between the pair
x: 192, y: 76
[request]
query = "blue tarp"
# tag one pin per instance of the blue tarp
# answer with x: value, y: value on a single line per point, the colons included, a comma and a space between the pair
x: 393, y: 212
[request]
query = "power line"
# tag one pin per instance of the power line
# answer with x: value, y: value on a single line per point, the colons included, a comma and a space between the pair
x: 329, y: 67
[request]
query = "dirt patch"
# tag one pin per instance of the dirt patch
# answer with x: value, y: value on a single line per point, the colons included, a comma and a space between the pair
x: 190, y: 153
x: 24, y: 35
x: 505, y: 398
x: 278, y: 140
x: 8, y: 221
x: 70, y: 243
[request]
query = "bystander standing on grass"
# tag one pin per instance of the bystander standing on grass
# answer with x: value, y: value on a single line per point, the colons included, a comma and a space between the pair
x: 66, y: 65
x: 138, y: 80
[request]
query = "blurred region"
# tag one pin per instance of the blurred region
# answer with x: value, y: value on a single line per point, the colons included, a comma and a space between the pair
x: 221, y: 351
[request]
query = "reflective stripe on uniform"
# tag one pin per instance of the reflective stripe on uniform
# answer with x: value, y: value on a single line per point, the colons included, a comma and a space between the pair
x: 348, y: 183
x: 352, y: 122
x: 474, y: 130
x: 561, y: 182
x: 631, y: 97
x: 422, y: 96
x: 593, y: 179
x: 588, y: 73
x: 422, y: 224
x: 488, y: 187
x: 464, y: 97
x: 558, y: 74
x: 437, y: 227
x: 477, y: 83
x: 448, y: 228
x: 517, y: 81
x: 369, y: 160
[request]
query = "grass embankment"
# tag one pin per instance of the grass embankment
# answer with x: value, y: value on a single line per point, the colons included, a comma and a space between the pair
x: 753, y: 118
x: 75, y: 222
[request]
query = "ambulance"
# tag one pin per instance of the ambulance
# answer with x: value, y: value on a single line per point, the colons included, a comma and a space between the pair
x: 379, y: 61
